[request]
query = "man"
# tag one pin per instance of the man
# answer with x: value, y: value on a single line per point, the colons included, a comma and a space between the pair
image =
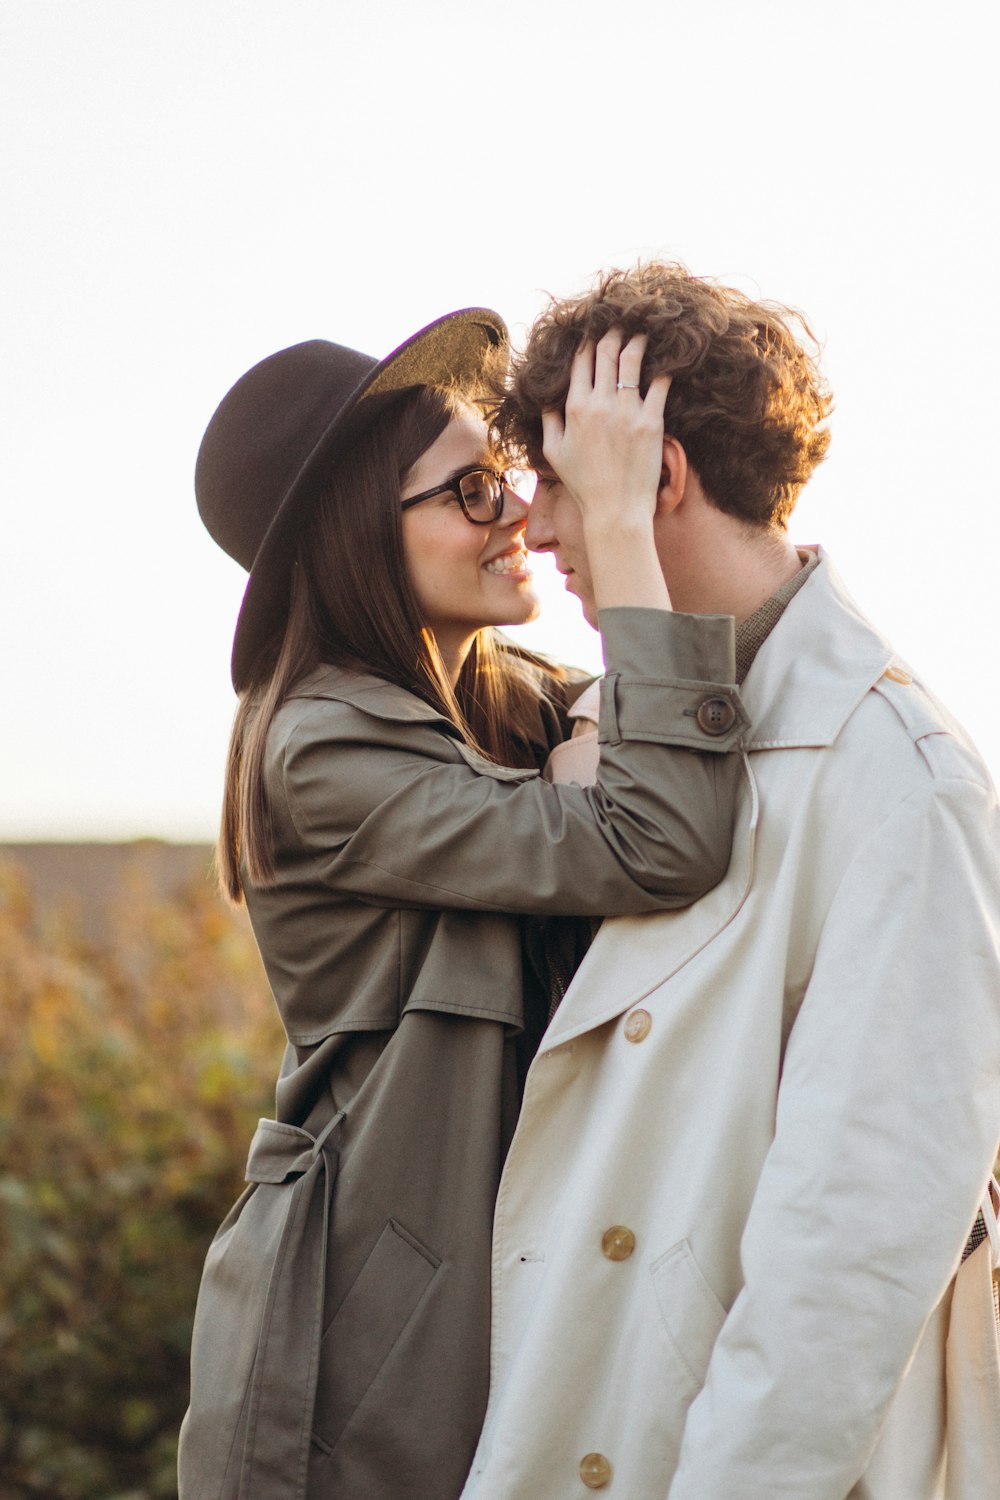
x: 729, y: 1240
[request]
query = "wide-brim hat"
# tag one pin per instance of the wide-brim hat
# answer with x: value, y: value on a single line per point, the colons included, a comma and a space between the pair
x: 275, y: 435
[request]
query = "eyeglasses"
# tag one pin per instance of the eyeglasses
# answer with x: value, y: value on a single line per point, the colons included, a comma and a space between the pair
x: 478, y: 491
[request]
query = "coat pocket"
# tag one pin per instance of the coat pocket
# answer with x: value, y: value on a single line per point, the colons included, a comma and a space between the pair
x: 366, y: 1327
x: 691, y: 1313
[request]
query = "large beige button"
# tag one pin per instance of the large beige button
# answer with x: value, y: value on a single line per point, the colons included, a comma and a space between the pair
x: 595, y: 1471
x: 618, y: 1242
x: 637, y: 1025
x: 896, y: 674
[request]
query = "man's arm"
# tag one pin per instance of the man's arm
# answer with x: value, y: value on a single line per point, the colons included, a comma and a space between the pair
x: 886, y: 1131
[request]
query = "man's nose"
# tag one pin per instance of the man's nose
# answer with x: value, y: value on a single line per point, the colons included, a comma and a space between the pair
x: 538, y: 533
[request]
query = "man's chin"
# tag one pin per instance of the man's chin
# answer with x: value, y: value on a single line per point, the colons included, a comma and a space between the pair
x: 587, y: 604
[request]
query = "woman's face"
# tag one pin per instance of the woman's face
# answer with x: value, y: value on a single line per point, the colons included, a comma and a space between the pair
x: 464, y: 576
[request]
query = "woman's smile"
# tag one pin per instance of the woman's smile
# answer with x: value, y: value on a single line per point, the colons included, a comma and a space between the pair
x: 513, y: 564
x: 465, y: 576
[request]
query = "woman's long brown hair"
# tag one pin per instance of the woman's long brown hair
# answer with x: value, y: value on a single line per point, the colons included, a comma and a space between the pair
x: 351, y: 604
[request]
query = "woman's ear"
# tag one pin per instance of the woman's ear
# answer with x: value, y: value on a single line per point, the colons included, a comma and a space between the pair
x: 673, y: 475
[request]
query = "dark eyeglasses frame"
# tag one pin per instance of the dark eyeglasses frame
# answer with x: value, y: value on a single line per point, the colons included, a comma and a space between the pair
x: 453, y: 486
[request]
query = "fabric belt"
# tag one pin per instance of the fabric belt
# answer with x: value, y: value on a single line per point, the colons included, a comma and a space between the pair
x: 282, y: 1392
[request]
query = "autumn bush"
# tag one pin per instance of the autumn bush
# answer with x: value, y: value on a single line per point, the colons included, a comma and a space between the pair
x: 132, y: 1072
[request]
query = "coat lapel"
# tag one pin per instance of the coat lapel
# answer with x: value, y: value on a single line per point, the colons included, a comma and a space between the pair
x: 656, y: 946
x: 807, y: 679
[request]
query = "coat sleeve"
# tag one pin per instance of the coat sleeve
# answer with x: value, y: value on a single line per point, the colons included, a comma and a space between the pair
x: 400, y: 815
x: 886, y: 1131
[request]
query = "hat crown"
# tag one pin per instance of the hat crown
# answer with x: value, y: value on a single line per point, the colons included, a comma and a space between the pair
x: 262, y: 435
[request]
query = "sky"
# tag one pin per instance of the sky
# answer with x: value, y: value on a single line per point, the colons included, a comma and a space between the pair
x: 187, y: 187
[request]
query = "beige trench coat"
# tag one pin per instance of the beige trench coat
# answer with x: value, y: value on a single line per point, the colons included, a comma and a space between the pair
x: 341, y: 1338
x: 755, y: 1136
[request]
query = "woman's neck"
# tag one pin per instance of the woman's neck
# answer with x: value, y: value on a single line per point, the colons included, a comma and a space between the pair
x: 453, y: 647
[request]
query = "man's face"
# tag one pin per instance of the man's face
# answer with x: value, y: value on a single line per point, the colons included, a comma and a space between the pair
x: 555, y: 525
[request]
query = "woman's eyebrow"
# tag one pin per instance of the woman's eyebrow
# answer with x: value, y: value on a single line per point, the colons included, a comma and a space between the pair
x: 482, y: 463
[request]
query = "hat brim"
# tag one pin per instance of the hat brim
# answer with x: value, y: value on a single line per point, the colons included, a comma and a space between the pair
x: 451, y: 350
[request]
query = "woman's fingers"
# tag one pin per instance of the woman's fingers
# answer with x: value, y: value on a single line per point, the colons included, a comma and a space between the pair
x: 607, y: 443
x: 629, y: 367
x: 656, y: 397
x: 607, y: 367
x: 607, y: 355
x: 581, y: 373
x: 553, y: 429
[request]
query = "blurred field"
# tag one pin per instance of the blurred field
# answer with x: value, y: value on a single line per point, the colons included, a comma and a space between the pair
x: 138, y: 1047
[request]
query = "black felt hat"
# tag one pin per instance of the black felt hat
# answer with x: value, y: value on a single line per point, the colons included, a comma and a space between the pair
x: 276, y: 433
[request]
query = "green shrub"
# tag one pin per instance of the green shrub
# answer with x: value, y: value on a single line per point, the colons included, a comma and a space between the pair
x: 131, y: 1077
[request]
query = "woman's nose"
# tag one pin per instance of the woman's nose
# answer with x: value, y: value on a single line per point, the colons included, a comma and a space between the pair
x: 515, y: 509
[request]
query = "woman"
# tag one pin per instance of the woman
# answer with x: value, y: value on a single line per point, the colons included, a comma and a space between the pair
x: 386, y: 824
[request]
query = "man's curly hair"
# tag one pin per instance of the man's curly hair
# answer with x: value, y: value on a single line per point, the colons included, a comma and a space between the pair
x: 746, y: 398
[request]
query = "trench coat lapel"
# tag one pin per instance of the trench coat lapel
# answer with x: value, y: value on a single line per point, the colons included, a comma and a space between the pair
x: 656, y: 947
x: 809, y: 676
x: 373, y: 695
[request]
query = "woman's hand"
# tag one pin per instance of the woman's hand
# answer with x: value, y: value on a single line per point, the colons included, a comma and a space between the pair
x: 608, y: 453
x: 608, y: 449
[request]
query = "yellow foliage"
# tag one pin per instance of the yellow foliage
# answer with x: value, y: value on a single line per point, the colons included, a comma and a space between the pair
x: 132, y: 1073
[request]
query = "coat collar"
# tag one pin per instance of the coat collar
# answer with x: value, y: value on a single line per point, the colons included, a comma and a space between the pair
x: 815, y: 667
x: 373, y: 695
x: 807, y: 679
x: 383, y: 700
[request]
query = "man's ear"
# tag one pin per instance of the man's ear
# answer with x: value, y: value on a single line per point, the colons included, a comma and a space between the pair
x: 673, y: 476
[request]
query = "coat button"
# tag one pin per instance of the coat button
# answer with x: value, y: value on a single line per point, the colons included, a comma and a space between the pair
x: 618, y: 1242
x: 637, y: 1025
x: 595, y: 1471
x: 716, y: 716
x: 897, y: 674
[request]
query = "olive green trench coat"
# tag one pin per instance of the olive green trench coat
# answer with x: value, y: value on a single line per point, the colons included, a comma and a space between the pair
x: 341, y: 1338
